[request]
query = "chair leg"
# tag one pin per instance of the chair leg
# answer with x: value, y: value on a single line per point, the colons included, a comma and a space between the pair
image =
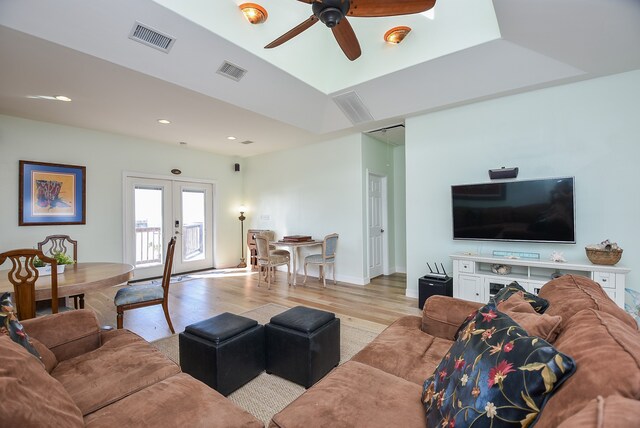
x: 324, y: 277
x: 333, y: 268
x: 119, y: 321
x: 259, y: 274
x: 320, y: 272
x: 165, y: 308
x: 305, y: 273
x: 289, y: 282
x: 269, y: 277
x: 81, y: 299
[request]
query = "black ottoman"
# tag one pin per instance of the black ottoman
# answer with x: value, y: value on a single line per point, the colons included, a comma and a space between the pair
x: 303, y: 345
x: 225, y: 351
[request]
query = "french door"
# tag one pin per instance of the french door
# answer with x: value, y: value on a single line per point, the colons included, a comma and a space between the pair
x: 157, y: 210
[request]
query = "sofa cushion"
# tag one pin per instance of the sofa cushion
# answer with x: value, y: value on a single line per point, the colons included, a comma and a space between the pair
x: 607, y: 353
x: 404, y: 350
x: 123, y: 365
x: 544, y: 326
x: 47, y: 357
x: 495, y: 373
x: 570, y: 294
x: 30, y: 396
x: 178, y: 401
x: 442, y: 315
x: 611, y: 412
x: 355, y: 395
x: 10, y: 326
x: 66, y: 334
x: 538, y: 303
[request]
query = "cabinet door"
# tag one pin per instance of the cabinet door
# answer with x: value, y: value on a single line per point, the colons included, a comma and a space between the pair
x: 471, y: 288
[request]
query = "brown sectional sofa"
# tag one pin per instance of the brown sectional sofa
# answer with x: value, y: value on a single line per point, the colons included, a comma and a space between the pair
x: 100, y: 378
x: 381, y: 386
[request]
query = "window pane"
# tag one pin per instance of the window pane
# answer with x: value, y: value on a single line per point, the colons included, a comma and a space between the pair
x: 148, y: 217
x: 193, y: 214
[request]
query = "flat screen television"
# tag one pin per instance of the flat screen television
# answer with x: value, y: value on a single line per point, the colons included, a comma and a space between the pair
x: 525, y: 210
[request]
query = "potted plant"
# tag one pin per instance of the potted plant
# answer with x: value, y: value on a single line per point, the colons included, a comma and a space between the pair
x: 61, y: 259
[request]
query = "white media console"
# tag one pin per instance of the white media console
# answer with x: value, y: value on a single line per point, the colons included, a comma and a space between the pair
x: 474, y: 280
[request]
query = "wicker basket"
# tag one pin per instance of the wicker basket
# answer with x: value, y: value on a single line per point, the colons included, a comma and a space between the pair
x: 604, y: 257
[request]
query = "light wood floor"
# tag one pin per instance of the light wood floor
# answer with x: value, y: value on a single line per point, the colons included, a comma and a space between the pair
x: 371, y: 307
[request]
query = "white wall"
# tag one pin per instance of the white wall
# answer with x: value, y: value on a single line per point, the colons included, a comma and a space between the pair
x: 106, y: 156
x: 399, y: 208
x: 588, y: 130
x: 312, y: 190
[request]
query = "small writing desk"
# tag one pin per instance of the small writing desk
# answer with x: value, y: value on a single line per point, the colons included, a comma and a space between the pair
x: 78, y: 278
x: 292, y: 247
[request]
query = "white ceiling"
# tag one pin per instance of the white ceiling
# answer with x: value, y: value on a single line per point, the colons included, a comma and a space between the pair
x: 472, y: 50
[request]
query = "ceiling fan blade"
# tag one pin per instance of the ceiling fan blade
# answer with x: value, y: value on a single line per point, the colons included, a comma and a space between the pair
x: 346, y: 38
x: 373, y: 8
x: 293, y: 32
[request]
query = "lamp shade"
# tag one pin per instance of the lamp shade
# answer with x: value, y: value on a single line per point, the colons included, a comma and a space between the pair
x: 254, y: 13
x: 396, y: 34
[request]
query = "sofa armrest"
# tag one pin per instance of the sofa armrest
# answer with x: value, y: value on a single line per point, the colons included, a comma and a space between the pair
x: 66, y: 334
x: 443, y: 315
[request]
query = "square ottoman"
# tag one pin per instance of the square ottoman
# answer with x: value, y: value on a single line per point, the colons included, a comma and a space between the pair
x: 303, y: 345
x: 225, y: 351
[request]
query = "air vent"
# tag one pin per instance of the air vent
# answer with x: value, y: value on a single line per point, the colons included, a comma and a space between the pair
x: 231, y: 71
x: 353, y: 108
x: 150, y: 37
x: 246, y: 142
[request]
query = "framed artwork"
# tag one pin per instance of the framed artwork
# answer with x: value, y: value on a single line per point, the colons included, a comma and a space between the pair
x: 51, y: 194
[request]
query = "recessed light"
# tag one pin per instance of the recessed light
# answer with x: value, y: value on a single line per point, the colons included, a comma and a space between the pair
x: 62, y: 98
x: 164, y: 121
x: 231, y: 137
x: 49, y: 97
x: 182, y: 143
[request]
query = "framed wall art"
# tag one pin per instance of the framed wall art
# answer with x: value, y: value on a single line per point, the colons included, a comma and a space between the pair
x: 51, y: 194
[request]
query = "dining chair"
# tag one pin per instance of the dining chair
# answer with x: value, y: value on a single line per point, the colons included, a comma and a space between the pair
x: 23, y: 275
x: 140, y: 296
x: 269, y: 260
x: 327, y: 257
x: 54, y: 244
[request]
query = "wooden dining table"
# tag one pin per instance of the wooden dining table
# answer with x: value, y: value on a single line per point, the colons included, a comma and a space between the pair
x: 77, y: 278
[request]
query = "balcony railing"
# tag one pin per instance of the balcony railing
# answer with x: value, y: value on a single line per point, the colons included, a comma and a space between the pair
x: 149, y: 243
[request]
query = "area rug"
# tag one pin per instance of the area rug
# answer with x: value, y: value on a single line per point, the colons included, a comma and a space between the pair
x: 267, y: 394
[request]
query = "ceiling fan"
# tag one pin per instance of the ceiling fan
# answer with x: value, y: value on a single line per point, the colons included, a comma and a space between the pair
x: 333, y: 13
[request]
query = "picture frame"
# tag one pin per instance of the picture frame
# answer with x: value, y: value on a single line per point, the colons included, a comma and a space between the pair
x: 51, y: 194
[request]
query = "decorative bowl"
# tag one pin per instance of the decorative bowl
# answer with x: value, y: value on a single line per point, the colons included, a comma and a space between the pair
x: 501, y: 269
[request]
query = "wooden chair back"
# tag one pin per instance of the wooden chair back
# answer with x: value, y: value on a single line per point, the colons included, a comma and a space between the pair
x: 59, y: 244
x: 329, y: 246
x: 23, y: 275
x: 262, y: 247
x: 168, y: 266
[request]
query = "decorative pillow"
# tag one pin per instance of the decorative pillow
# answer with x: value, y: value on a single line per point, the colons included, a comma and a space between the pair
x: 541, y: 325
x: 10, y: 326
x: 538, y: 303
x: 494, y: 375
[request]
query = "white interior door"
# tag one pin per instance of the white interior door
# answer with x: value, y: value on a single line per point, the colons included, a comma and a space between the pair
x: 158, y: 209
x: 377, y: 224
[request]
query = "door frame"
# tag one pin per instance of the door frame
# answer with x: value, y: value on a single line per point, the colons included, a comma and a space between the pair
x: 174, y: 179
x: 385, y: 223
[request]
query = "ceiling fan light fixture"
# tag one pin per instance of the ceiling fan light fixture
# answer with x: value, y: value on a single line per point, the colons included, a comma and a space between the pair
x: 254, y: 13
x: 396, y: 34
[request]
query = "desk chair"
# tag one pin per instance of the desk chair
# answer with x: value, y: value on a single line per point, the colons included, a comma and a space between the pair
x: 140, y: 296
x: 327, y: 257
x: 54, y: 244
x: 267, y: 259
x: 23, y: 275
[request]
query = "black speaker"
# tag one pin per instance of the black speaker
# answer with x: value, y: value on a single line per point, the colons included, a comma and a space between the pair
x: 236, y: 167
x: 503, y: 172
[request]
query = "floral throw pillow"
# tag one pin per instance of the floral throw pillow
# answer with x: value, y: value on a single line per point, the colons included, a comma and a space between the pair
x: 538, y: 303
x: 494, y: 375
x: 10, y: 326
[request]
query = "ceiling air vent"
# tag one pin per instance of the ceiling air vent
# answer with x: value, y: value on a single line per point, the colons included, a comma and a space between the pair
x: 352, y: 107
x: 231, y: 71
x: 246, y: 142
x: 150, y: 37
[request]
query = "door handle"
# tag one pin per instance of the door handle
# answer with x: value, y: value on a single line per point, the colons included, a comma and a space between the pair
x: 381, y: 230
